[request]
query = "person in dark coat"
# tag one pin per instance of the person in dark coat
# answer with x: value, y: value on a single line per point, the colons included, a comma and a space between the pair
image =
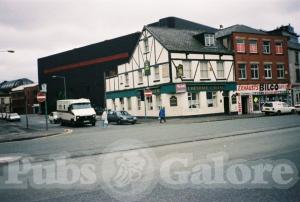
x: 162, y: 115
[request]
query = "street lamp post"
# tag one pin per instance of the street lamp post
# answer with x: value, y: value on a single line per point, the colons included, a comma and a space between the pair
x: 64, y: 78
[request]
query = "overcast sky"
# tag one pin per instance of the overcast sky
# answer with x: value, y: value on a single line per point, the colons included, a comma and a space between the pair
x: 38, y: 28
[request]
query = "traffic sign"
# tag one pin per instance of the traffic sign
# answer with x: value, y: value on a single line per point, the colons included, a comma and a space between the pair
x: 41, y: 97
x: 148, y: 93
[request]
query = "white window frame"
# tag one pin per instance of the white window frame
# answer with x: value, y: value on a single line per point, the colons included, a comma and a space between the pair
x: 213, y: 102
x: 268, y: 71
x: 278, y: 44
x: 220, y: 70
x: 204, y: 70
x: 266, y: 48
x: 126, y: 79
x: 149, y: 102
x: 187, y: 69
x: 140, y: 76
x: 254, y: 70
x: 240, y: 41
x: 242, y: 74
x: 280, y: 71
x: 156, y: 73
x: 209, y: 39
x: 158, y: 101
x: 193, y: 100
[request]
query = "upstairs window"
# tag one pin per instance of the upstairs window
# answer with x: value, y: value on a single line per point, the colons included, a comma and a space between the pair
x: 126, y: 79
x: 240, y: 45
x: 266, y: 47
x: 187, y: 71
x: 146, y: 45
x: 268, y: 71
x: 209, y: 39
x: 242, y: 71
x: 220, y: 70
x: 279, y: 47
x: 140, y: 75
x: 280, y: 71
x: 204, y: 70
x: 253, y: 46
x: 156, y: 73
x: 298, y: 75
x: 254, y: 71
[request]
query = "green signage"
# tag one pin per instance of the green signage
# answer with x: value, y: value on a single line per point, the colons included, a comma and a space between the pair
x: 205, y: 88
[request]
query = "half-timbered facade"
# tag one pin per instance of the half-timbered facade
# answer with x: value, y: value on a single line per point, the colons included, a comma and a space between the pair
x: 187, y: 71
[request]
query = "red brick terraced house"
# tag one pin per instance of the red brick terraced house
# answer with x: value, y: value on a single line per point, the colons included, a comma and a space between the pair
x: 261, y: 66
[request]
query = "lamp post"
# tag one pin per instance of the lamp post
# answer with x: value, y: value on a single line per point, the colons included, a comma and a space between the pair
x: 64, y: 78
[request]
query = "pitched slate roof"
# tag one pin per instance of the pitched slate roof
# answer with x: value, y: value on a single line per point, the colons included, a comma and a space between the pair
x: 8, y: 85
x: 184, y: 40
x: 237, y: 28
x: 293, y: 45
x: 179, y: 23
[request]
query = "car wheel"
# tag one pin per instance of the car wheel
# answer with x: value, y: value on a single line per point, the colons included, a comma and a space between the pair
x: 293, y: 111
x: 119, y: 122
x: 62, y: 123
x: 94, y: 123
x: 267, y: 113
x: 279, y: 112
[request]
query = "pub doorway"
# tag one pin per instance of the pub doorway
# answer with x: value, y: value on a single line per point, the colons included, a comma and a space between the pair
x: 245, y: 100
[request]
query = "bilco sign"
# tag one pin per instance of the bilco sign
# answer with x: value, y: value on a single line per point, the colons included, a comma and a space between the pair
x: 268, y: 87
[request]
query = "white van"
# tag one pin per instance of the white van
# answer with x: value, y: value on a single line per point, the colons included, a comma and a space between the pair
x: 277, y: 108
x: 76, y: 111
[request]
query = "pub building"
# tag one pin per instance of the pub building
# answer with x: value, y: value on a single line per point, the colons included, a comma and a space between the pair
x: 179, y: 65
x: 261, y: 66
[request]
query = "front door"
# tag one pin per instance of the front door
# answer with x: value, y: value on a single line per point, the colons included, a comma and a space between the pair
x: 244, y: 104
x: 226, y: 105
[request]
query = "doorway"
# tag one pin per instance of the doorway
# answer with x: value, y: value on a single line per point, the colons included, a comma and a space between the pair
x: 245, y: 104
x: 226, y: 105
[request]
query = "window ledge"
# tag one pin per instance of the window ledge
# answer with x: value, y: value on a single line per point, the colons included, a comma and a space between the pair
x: 222, y: 79
x: 205, y: 79
x: 126, y: 85
x: 183, y: 79
x: 157, y: 80
x: 140, y: 83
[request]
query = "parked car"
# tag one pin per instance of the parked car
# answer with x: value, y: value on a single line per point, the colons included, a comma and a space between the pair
x: 53, y: 117
x: 13, y: 117
x: 277, y: 108
x: 297, y: 108
x: 120, y: 117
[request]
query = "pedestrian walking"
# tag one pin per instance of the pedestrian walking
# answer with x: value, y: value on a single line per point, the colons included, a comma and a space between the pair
x: 104, y: 119
x: 162, y: 115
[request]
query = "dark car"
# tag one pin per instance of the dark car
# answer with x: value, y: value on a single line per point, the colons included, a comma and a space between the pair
x: 120, y: 117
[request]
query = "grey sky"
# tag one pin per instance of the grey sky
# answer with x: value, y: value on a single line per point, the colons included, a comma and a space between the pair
x: 38, y: 28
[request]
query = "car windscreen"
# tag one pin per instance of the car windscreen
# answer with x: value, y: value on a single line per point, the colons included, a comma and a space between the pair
x: 125, y: 113
x: 81, y: 106
x: 14, y: 114
x: 268, y: 104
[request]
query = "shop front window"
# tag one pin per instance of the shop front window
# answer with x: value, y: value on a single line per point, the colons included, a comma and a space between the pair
x: 256, y: 103
x: 149, y: 103
x: 193, y: 100
x: 211, y: 98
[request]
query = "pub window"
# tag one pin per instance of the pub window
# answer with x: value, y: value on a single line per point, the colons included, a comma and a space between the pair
x: 266, y: 47
x: 278, y: 47
x: 240, y: 45
x: 149, y: 103
x: 211, y: 98
x: 298, y: 98
x: 193, y: 100
x: 220, y: 69
x: 122, y: 103
x: 254, y: 71
x: 280, y: 71
x: 158, y: 102
x: 121, y: 79
x: 253, y: 46
x: 165, y: 70
x: 204, y: 70
x: 129, y: 103
x: 268, y: 71
x: 242, y: 71
x: 139, y: 99
x: 187, y: 71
